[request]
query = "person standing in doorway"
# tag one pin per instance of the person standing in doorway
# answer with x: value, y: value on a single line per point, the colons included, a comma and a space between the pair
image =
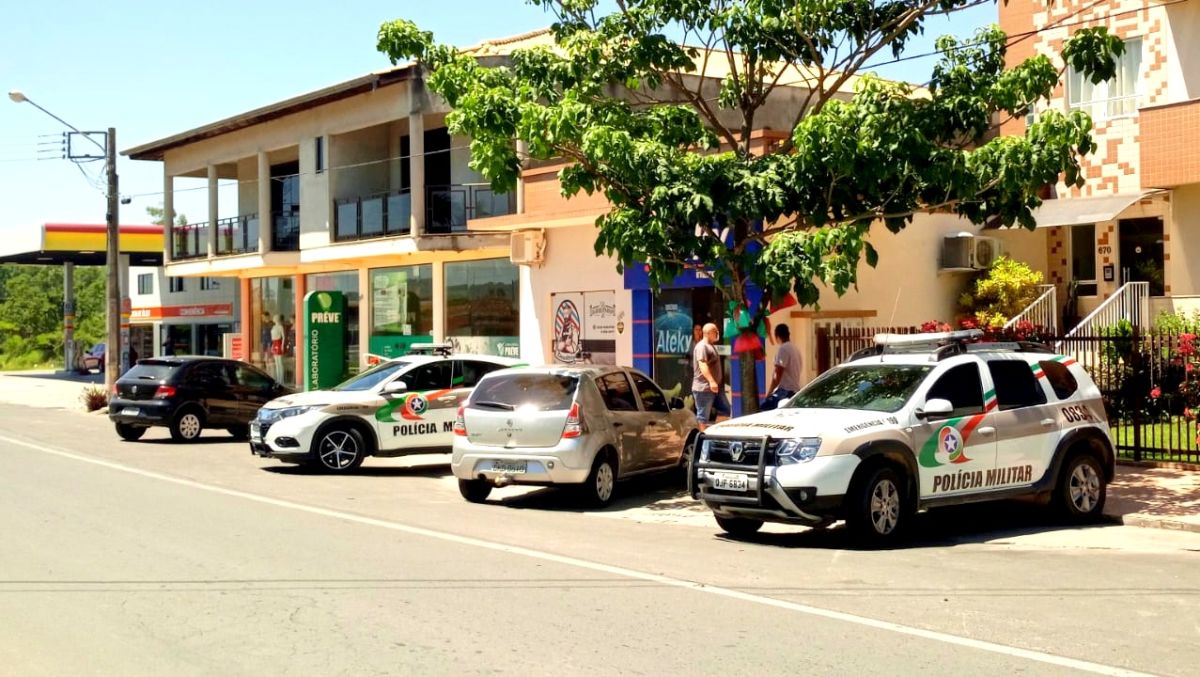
x: 168, y: 344
x: 264, y: 339
x: 785, y: 380
x: 708, y: 385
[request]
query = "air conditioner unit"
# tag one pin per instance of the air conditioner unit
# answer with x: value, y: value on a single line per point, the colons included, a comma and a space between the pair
x: 986, y: 251
x: 965, y: 251
x: 527, y: 247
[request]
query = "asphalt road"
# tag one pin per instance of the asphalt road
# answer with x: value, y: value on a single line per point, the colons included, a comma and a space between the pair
x: 158, y: 558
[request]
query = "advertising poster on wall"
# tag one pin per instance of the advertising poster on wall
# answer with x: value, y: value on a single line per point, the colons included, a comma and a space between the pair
x: 584, y: 330
x: 500, y: 346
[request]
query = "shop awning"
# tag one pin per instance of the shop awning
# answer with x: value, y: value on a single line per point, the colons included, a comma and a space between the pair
x: 1074, y: 211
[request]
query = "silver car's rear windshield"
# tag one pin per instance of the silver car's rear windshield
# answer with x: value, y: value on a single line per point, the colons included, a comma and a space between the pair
x: 371, y: 378
x: 544, y: 392
x: 875, y: 387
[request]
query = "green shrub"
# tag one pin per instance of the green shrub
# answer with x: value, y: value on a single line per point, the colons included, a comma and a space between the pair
x: 1004, y: 291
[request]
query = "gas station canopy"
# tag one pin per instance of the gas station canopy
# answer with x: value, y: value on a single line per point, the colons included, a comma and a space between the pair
x: 79, y: 243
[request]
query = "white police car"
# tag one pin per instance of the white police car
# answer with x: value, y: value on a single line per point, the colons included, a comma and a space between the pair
x: 400, y: 407
x: 915, y: 422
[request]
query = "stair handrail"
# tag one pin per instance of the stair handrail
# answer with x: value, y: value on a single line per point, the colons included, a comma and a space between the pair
x: 1043, y: 310
x: 1130, y: 302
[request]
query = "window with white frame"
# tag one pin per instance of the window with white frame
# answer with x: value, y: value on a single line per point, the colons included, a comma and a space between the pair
x: 176, y: 284
x: 145, y: 283
x: 1117, y: 97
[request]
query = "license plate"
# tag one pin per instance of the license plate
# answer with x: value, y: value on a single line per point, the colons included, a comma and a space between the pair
x: 130, y: 411
x: 509, y: 467
x: 730, y: 482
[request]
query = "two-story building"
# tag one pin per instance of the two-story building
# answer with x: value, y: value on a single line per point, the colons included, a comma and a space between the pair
x: 1135, y: 219
x: 192, y: 315
x: 359, y: 188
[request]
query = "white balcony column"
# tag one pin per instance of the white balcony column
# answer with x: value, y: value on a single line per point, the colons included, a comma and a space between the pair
x: 213, y: 206
x: 168, y: 216
x: 266, y: 224
x: 416, y: 171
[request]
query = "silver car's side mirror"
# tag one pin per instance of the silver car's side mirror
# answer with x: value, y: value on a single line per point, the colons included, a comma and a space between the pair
x: 395, y: 388
x: 935, y: 408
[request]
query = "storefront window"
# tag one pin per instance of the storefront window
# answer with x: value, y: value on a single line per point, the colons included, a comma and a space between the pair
x: 482, y: 310
x: 347, y: 284
x: 273, y: 330
x: 676, y: 314
x: 401, y: 309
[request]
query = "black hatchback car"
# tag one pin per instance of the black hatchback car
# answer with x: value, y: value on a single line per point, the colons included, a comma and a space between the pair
x: 188, y: 394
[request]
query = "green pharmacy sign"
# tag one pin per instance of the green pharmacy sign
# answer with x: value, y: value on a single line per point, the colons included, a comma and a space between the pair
x: 324, y: 339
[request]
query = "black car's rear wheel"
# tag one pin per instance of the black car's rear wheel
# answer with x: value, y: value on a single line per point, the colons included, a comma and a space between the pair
x: 187, y: 424
x: 130, y: 433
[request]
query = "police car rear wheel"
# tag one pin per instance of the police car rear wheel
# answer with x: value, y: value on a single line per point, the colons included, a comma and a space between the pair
x: 738, y: 526
x: 340, y: 450
x: 877, y: 511
x: 475, y: 491
x: 187, y: 426
x: 1081, y: 488
x: 130, y: 433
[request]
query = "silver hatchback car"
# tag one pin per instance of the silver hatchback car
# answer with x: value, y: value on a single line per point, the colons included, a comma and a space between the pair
x: 586, y: 426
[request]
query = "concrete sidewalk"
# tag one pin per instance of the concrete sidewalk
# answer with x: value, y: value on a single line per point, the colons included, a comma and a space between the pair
x: 46, y: 389
x: 1162, y: 498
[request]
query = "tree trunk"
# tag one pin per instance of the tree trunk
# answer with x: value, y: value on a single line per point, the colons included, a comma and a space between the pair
x: 749, y: 383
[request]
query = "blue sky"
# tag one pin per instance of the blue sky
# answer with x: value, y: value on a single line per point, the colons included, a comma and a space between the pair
x: 151, y: 69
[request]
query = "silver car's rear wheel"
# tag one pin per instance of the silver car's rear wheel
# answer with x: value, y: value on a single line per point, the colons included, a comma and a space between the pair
x: 601, y: 483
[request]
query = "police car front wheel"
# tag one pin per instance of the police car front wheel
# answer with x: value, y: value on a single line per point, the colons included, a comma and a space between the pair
x: 878, y: 508
x: 340, y: 450
x: 739, y: 526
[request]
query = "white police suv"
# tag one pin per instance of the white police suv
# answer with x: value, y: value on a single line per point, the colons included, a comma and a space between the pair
x: 400, y: 407
x: 914, y: 422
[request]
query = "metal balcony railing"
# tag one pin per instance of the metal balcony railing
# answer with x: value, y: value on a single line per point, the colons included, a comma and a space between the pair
x: 447, y: 208
x: 1042, y: 313
x: 375, y: 215
x: 237, y: 235
x: 189, y: 241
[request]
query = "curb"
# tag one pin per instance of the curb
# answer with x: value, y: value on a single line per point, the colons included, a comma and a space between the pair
x: 1150, y: 522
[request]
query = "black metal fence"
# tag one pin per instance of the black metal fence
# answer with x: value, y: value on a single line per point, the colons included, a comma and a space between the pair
x: 1150, y: 382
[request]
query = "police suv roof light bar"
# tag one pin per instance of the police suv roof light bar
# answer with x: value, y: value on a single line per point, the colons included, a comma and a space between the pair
x: 929, y: 341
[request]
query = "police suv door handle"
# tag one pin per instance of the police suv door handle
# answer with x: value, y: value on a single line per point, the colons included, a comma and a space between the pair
x: 987, y: 430
x: 1047, y: 423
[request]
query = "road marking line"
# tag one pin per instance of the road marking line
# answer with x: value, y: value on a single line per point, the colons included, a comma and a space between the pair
x: 932, y: 635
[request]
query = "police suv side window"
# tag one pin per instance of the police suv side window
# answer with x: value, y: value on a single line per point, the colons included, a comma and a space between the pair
x: 468, y: 372
x: 618, y: 396
x: 1016, y: 386
x: 1061, y: 379
x: 432, y: 376
x: 962, y: 387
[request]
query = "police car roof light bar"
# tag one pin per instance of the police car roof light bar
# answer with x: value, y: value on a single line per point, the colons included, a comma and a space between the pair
x: 442, y: 349
x: 928, y: 340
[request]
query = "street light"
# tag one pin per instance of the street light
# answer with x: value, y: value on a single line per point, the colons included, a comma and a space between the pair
x: 113, y: 345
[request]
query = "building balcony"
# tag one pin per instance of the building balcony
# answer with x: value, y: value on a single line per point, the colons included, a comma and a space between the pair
x: 448, y: 208
x: 1170, y: 144
x: 237, y: 235
x: 370, y: 216
x: 285, y: 232
x: 189, y: 241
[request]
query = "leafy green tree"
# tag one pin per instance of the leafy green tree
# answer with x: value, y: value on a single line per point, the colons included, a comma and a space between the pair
x: 158, y: 217
x: 619, y: 96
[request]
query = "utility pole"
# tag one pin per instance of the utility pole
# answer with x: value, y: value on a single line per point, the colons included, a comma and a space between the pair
x: 113, y: 354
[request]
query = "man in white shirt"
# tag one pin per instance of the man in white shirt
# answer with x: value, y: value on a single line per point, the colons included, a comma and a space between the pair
x: 785, y: 380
